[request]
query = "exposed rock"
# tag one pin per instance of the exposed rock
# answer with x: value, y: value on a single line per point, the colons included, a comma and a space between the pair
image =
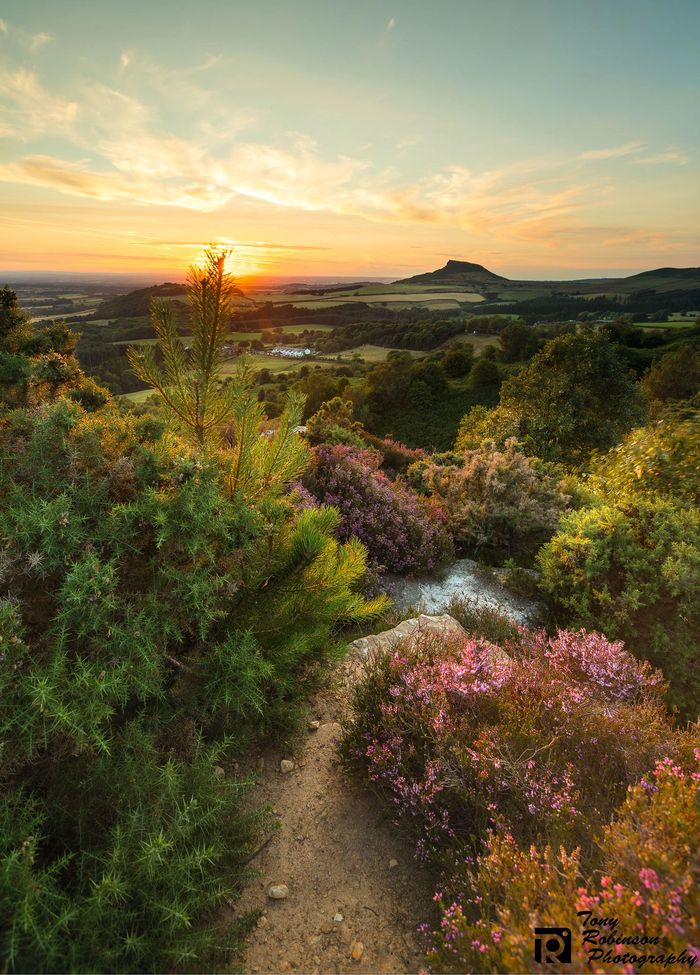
x: 218, y: 771
x: 393, y: 864
x: 338, y: 918
x: 464, y: 579
x: 286, y: 766
x: 444, y: 626
x: 278, y: 892
x: 358, y: 950
x: 314, y: 725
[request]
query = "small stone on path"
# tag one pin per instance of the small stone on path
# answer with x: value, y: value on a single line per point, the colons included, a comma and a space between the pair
x: 277, y: 892
x: 358, y: 950
x: 338, y: 918
x: 286, y: 766
x: 393, y: 864
x: 314, y: 725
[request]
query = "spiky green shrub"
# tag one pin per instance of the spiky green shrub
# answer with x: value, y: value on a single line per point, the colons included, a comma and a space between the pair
x: 631, y: 568
x: 659, y: 458
x: 158, y: 598
x: 140, y: 889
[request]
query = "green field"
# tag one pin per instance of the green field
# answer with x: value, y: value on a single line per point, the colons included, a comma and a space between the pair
x: 677, y: 323
x: 139, y: 396
x: 293, y: 331
x: 397, y: 296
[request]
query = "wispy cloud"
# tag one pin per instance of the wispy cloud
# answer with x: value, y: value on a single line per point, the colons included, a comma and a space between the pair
x: 29, y: 108
x: 408, y: 141
x: 3, y: 26
x: 120, y: 151
x: 37, y: 41
x: 673, y: 158
x: 614, y: 152
x: 391, y: 23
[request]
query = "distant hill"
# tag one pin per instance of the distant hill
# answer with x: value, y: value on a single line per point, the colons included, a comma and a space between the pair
x: 137, y: 304
x: 467, y: 276
x: 462, y: 274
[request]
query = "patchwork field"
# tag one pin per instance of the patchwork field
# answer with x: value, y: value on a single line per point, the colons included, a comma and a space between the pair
x: 398, y: 296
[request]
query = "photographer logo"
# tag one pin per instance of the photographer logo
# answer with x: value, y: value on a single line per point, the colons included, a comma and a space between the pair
x: 553, y: 945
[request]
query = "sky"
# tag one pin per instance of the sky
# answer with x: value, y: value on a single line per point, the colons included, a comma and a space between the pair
x: 556, y: 138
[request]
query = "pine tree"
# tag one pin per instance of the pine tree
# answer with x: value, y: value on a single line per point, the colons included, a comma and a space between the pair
x: 190, y: 382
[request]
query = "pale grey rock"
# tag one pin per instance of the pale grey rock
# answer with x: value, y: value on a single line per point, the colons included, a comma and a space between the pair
x: 278, y: 892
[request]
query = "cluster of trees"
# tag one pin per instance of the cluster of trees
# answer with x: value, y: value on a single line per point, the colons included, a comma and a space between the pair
x: 557, y: 307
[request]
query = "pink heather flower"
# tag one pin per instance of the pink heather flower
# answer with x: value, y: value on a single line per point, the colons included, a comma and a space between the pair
x: 649, y: 878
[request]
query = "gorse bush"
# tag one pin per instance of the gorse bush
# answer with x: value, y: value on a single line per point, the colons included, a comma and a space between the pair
x: 164, y: 601
x: 647, y: 880
x: 631, y: 568
x: 402, y: 532
x: 142, y: 891
x: 38, y: 365
x: 497, y: 502
x: 661, y: 458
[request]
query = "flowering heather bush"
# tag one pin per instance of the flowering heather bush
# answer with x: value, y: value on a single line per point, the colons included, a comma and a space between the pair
x: 401, y: 531
x: 648, y: 882
x: 498, y: 501
x: 542, y: 740
x: 396, y: 456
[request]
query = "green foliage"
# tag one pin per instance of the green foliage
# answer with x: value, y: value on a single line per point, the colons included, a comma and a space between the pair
x: 675, y: 376
x: 190, y: 383
x: 517, y: 342
x: 144, y: 890
x: 458, y: 360
x: 660, y: 458
x: 484, y: 373
x: 482, y: 426
x: 163, y: 603
x: 334, y: 422
x: 631, y: 568
x: 575, y: 396
x: 39, y: 365
x: 434, y: 428
x: 317, y: 387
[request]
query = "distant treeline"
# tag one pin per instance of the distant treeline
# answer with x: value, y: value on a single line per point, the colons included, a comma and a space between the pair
x: 557, y: 307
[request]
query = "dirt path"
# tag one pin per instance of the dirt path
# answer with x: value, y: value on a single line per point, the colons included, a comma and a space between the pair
x: 355, y: 894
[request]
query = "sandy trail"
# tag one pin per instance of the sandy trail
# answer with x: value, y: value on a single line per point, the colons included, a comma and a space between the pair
x: 340, y: 857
